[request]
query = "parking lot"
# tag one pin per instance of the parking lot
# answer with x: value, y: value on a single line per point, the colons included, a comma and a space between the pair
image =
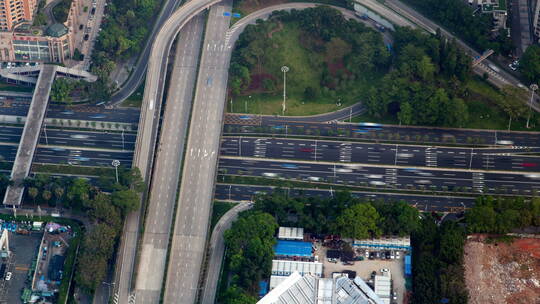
x: 364, y: 268
x: 24, y: 249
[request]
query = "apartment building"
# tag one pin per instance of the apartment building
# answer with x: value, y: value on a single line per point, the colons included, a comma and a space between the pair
x: 21, y: 41
x: 13, y: 12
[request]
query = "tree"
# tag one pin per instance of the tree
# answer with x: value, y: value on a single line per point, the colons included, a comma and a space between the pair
x: 250, y: 243
x: 46, y: 195
x: 61, y: 90
x: 480, y: 219
x: 235, y: 295
x: 359, y: 222
x: 512, y: 102
x: 126, y: 200
x: 78, y: 193
x: 33, y: 192
x: 405, y: 114
x: 58, y: 193
x: 529, y: 64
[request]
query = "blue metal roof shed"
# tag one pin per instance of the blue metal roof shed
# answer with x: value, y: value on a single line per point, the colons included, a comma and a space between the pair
x: 408, y: 270
x: 293, y: 248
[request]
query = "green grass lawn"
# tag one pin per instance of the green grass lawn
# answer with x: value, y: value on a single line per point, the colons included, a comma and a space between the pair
x: 305, y: 70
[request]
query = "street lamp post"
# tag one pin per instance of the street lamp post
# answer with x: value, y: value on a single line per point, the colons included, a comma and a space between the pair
x: 533, y: 88
x: 115, y: 164
x: 246, y: 103
x: 284, y: 69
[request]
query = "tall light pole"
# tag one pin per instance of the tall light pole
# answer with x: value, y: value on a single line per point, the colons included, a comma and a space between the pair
x: 115, y: 164
x: 284, y: 69
x: 533, y: 88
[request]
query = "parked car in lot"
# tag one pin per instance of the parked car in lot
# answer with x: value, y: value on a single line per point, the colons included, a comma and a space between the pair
x: 8, y: 276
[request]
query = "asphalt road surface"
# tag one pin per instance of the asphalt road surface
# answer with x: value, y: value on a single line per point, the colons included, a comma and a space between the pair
x: 199, y: 171
x: 216, y: 251
x: 502, y: 158
x: 386, y: 176
x: 139, y: 71
x: 76, y: 112
x: 248, y: 125
x: 71, y: 138
x: 422, y: 202
x: 73, y: 156
x: 168, y: 163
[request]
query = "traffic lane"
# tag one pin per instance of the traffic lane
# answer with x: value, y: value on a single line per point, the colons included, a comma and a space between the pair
x: 389, y: 132
x: 103, y: 140
x: 422, y: 202
x: 501, y: 158
x: 70, y: 156
x: 82, y: 112
x: 386, y: 177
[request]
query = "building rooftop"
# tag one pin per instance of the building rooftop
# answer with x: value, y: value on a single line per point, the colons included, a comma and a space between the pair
x: 309, y: 289
x: 293, y: 248
x: 291, y: 233
x: 56, y: 30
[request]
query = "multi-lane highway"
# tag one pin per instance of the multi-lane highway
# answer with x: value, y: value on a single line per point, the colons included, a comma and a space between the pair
x: 414, y: 178
x: 200, y: 162
x: 501, y: 158
x: 76, y: 112
x: 74, y: 138
x: 252, y: 124
x: 168, y: 164
x: 72, y: 156
x: 423, y: 202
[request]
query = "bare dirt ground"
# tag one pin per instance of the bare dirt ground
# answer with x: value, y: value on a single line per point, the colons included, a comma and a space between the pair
x: 502, y: 272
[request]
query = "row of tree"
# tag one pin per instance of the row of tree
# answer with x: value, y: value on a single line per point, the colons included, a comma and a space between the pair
x: 107, y: 211
x: 342, y: 214
x: 437, y: 261
x: 474, y: 28
x: 66, y: 192
x: 502, y: 214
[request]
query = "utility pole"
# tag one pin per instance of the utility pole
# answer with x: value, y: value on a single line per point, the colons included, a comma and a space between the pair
x: 533, y: 88
x: 284, y: 69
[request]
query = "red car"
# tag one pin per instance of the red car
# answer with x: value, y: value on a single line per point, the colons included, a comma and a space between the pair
x: 306, y: 150
x: 528, y: 165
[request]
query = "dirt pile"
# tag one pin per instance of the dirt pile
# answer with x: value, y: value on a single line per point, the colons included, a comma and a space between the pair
x: 502, y: 272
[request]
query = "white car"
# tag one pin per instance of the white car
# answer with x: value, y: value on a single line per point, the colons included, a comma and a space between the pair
x: 314, y: 178
x: 385, y: 270
x: 270, y: 174
x: 377, y: 183
x: 8, y: 276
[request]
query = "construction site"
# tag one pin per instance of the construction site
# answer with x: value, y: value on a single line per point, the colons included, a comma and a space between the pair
x: 503, y: 270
